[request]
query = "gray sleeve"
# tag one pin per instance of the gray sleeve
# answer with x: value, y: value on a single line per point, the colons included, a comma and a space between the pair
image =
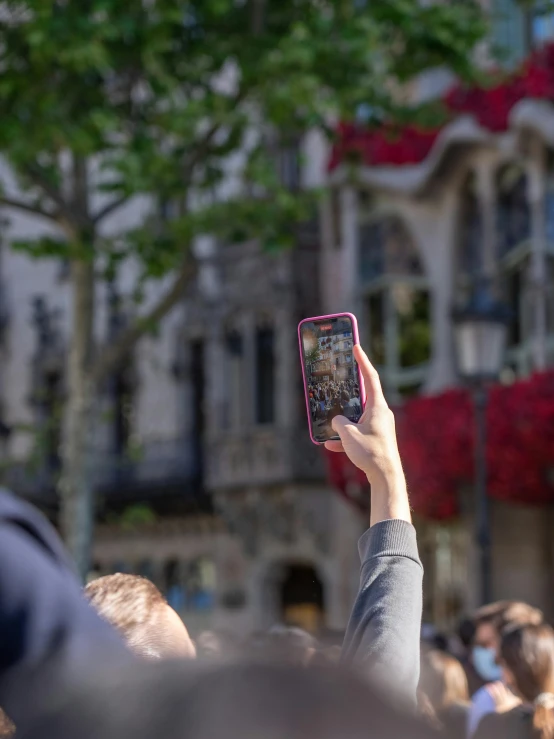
x: 384, y: 630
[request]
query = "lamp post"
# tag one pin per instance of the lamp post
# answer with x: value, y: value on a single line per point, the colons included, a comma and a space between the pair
x: 480, y: 329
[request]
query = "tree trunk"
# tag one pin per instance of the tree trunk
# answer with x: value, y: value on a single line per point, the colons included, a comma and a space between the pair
x: 76, y: 484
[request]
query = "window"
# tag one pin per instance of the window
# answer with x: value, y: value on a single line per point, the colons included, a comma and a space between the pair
x: 513, y: 217
x: 198, y: 388
x: 518, y: 28
x: 397, y: 306
x: 173, y: 584
x: 288, y: 164
x: 513, y: 241
x: 52, y: 409
x: 265, y: 375
x: 123, y: 400
x: 200, y: 584
x: 541, y: 22
x: 509, y: 31
x: 234, y: 411
x: 469, y: 251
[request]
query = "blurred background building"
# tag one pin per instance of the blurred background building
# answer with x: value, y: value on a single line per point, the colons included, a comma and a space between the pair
x: 206, y: 478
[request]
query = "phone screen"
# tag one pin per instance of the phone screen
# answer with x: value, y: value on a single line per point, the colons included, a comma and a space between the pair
x: 332, y: 380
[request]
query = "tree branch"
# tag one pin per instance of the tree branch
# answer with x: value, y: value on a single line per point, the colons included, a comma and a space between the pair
x: 27, y: 208
x: 37, y: 175
x: 113, y: 355
x: 109, y: 208
x: 203, y: 146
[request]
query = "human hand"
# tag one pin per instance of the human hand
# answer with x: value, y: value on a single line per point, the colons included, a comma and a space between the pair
x: 371, y: 445
x: 504, y: 699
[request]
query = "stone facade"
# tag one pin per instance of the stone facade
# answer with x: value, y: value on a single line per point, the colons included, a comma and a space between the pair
x: 227, y: 507
x: 408, y: 242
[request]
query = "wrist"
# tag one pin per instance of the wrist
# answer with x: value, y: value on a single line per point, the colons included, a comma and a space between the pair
x: 389, y: 481
x: 389, y: 497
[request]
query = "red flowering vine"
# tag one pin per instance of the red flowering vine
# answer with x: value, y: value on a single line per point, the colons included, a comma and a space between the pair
x: 490, y: 106
x: 436, y: 440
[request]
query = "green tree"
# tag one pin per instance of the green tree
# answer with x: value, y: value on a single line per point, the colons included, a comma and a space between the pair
x: 313, y: 356
x: 103, y: 101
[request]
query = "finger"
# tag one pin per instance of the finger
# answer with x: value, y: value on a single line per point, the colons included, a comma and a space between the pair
x: 334, y: 446
x: 340, y: 424
x: 372, y: 383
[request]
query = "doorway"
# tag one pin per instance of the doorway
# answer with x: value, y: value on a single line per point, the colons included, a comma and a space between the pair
x: 302, y: 599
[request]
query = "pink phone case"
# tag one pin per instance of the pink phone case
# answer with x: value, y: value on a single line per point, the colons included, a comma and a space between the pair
x: 355, y: 336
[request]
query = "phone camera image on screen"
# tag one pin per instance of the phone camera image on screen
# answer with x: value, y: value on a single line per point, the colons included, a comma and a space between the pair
x: 332, y: 380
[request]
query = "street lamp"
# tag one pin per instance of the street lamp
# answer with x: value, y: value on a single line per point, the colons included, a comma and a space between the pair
x: 480, y: 329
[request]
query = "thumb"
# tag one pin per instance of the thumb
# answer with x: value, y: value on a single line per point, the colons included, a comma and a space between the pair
x: 341, y: 425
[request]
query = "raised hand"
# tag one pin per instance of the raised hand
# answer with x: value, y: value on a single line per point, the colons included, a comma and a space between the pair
x: 371, y: 445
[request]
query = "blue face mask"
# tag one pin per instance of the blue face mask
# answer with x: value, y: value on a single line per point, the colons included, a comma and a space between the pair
x: 484, y: 661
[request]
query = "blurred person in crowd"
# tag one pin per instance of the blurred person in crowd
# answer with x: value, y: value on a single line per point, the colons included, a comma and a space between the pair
x: 137, y: 610
x: 174, y: 700
x: 466, y: 636
x: 291, y: 645
x: 217, y: 645
x: 42, y: 609
x: 527, y: 660
x: 434, y: 638
x: 490, y: 622
x: 444, y: 685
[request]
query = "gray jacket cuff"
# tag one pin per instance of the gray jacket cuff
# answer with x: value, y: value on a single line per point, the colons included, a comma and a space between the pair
x: 392, y: 538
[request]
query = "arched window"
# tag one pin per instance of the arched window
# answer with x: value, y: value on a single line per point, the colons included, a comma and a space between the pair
x: 513, y: 251
x: 397, y: 310
x: 469, y: 251
x: 549, y: 245
x: 513, y: 216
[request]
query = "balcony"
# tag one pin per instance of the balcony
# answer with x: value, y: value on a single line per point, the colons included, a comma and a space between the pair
x: 262, y: 456
x: 167, y: 470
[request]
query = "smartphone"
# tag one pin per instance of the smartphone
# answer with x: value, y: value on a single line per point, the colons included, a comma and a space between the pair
x: 333, y: 384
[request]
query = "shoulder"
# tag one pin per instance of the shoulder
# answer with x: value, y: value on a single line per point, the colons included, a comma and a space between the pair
x: 514, y: 724
x: 482, y: 699
x: 454, y: 719
x: 19, y: 516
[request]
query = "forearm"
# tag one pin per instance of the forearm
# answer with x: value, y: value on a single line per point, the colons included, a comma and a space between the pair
x: 389, y: 498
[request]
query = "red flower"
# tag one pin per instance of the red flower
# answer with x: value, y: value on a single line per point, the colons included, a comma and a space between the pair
x: 436, y: 440
x: 491, y: 107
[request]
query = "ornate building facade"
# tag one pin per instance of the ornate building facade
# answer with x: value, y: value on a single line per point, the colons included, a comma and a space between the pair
x: 207, y: 481
x: 410, y: 224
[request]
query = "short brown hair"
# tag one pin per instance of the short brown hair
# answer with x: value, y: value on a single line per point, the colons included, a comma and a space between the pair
x: 507, y: 614
x: 134, y: 606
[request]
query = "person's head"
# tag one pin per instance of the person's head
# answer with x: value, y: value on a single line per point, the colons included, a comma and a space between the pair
x: 7, y: 729
x: 290, y: 645
x: 490, y: 622
x: 443, y: 680
x: 173, y: 699
x: 466, y: 632
x: 527, y: 661
x: 135, y: 607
